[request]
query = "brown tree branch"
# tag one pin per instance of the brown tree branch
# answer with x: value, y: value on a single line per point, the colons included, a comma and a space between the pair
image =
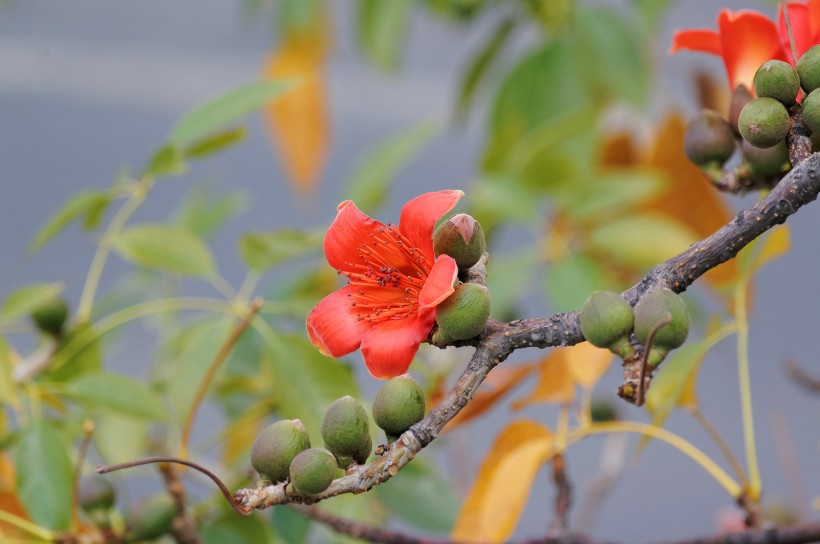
x: 499, y: 340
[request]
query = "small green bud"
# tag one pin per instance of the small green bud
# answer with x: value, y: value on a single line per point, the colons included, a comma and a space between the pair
x: 708, y: 139
x: 463, y: 314
x: 811, y: 112
x: 50, y: 317
x: 313, y: 470
x: 275, y: 448
x: 607, y: 321
x: 95, y: 493
x: 808, y: 68
x: 740, y: 98
x: 650, y: 311
x: 345, y: 428
x: 398, y: 405
x: 603, y: 411
x: 766, y: 162
x: 764, y: 122
x: 462, y: 238
x: 359, y: 457
x: 150, y: 519
x: 777, y: 79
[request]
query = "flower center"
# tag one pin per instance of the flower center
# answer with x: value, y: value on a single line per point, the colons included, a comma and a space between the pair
x: 390, y: 274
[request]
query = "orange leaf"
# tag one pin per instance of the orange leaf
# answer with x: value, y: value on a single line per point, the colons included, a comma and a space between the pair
x: 298, y: 121
x: 690, y: 198
x: 555, y: 382
x: 586, y: 363
x: 499, y: 494
x: 500, y: 382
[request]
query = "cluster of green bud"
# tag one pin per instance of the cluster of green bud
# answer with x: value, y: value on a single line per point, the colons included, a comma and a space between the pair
x: 607, y: 322
x: 346, y: 431
x: 651, y: 312
x: 709, y: 140
x: 398, y: 405
x: 275, y: 448
x: 50, y: 317
x: 463, y: 314
x: 313, y: 470
x: 95, y: 494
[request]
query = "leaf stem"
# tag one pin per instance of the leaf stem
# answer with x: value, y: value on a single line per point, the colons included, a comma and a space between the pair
x: 684, y: 446
x: 744, y: 381
x: 92, y: 281
x: 722, y: 445
x: 25, y: 525
x: 220, y: 357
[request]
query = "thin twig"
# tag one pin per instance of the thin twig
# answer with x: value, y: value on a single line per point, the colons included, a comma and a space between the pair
x: 784, y: 444
x: 219, y: 358
x: 802, y: 378
x: 639, y: 397
x: 722, y: 446
x: 239, y: 509
x: 786, y: 18
x: 563, y: 495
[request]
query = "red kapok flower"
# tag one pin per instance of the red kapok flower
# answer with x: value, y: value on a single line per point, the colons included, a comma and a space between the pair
x: 394, y: 284
x: 746, y: 39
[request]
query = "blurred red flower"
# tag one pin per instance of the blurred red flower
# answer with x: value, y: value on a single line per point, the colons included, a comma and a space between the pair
x: 394, y: 284
x: 746, y: 39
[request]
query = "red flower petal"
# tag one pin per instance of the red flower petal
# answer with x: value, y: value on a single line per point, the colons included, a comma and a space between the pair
x: 333, y: 325
x: 749, y: 39
x: 419, y: 217
x: 439, y: 284
x: 703, y: 40
x: 814, y: 21
x: 389, y: 347
x: 346, y: 234
x: 800, y: 20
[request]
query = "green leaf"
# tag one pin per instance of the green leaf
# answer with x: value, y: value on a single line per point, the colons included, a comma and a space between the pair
x: 25, y: 299
x: 611, y: 194
x: 8, y: 392
x: 211, y: 116
x: 204, y: 214
x: 570, y: 281
x: 643, y: 240
x: 87, y: 204
x: 290, y: 527
x: 293, y: 359
x: 421, y: 497
x: 610, y: 53
x: 233, y: 528
x: 44, y: 476
x: 502, y: 199
x: 652, y: 11
x: 79, y: 353
x: 164, y: 247
x: 372, y: 178
x: 215, y: 143
x: 262, y: 250
x: 168, y: 160
x: 544, y: 85
x: 480, y: 64
x: 509, y: 280
x: 120, y: 439
x: 382, y: 30
x: 119, y: 393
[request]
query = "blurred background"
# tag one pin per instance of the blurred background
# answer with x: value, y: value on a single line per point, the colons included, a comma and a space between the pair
x: 412, y: 98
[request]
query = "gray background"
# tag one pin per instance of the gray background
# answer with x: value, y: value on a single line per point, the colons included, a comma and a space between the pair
x: 89, y: 86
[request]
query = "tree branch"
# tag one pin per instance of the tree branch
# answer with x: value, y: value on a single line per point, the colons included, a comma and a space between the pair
x: 799, y: 187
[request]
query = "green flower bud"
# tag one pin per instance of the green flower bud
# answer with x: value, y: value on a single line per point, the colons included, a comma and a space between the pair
x: 359, y: 457
x: 462, y: 238
x: 151, y: 519
x: 603, y: 411
x: 345, y: 428
x: 708, y: 139
x: 766, y: 162
x: 777, y: 79
x: 398, y: 405
x: 275, y: 448
x: 95, y: 493
x: 808, y: 68
x: 607, y: 321
x: 740, y: 98
x: 51, y: 316
x: 811, y: 112
x: 313, y: 470
x: 650, y: 311
x: 764, y: 122
x: 463, y: 314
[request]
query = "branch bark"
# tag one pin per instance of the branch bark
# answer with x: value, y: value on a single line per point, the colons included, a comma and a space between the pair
x: 798, y: 188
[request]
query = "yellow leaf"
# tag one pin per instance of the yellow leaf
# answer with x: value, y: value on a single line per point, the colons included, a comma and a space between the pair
x: 499, y: 494
x: 586, y: 363
x: 297, y: 122
x: 241, y: 433
x: 500, y: 382
x: 555, y: 382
